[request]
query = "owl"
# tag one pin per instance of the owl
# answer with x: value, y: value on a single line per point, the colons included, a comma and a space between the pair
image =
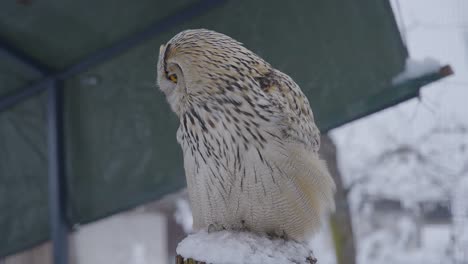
x: 248, y: 136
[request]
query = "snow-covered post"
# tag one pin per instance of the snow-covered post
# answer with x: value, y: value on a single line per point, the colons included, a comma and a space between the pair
x: 231, y: 247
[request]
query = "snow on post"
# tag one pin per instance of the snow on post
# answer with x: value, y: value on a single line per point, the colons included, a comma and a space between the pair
x: 230, y: 247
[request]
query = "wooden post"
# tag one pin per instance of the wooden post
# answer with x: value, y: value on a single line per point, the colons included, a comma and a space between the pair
x: 181, y: 260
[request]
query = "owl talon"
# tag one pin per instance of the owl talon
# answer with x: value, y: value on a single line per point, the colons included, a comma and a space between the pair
x: 276, y: 235
x: 244, y: 227
x: 215, y: 228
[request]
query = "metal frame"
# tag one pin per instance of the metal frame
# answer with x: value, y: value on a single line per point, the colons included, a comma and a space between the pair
x: 57, y: 182
x: 10, y: 51
x: 53, y: 83
x: 395, y: 94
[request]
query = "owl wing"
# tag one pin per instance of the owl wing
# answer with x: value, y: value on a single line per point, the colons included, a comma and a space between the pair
x: 297, y: 120
x: 295, y: 155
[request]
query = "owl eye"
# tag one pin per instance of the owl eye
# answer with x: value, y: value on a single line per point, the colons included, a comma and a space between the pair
x: 172, y: 78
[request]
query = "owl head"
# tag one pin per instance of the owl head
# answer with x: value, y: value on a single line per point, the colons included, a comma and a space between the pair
x: 197, y: 65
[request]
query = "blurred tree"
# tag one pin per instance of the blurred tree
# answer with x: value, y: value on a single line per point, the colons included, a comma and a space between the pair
x: 340, y: 221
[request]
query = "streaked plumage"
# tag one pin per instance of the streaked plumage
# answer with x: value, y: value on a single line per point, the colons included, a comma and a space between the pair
x: 248, y: 137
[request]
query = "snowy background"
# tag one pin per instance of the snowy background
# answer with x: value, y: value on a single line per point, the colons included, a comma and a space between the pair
x: 414, y: 154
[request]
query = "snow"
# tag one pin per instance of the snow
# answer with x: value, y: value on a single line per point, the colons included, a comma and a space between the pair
x: 322, y: 245
x: 384, y: 247
x: 183, y: 215
x: 227, y: 247
x: 460, y: 211
x: 121, y: 239
x: 417, y: 68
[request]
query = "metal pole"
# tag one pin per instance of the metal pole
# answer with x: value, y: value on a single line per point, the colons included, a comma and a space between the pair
x: 57, y: 199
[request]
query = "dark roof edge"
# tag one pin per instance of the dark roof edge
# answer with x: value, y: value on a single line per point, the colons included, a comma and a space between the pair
x: 393, y: 95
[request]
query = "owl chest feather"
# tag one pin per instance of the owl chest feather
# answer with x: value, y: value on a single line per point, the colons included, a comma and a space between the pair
x: 228, y: 173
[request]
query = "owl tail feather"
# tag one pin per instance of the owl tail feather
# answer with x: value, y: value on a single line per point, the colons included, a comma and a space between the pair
x: 308, y: 195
